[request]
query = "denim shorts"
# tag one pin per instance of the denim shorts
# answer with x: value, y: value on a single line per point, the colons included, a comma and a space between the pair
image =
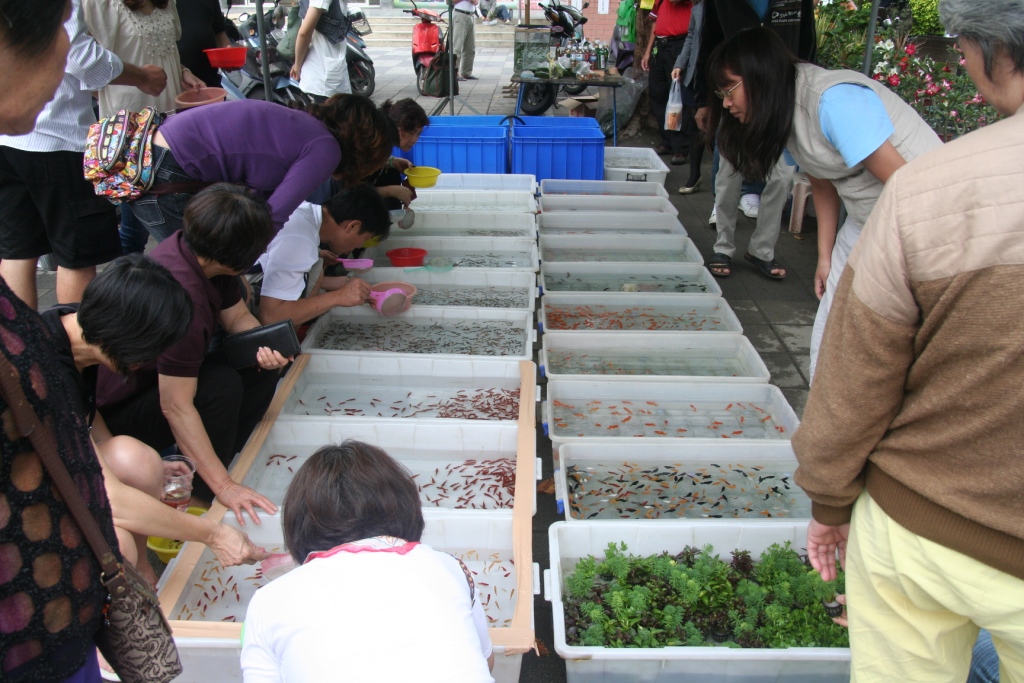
x: 162, y: 215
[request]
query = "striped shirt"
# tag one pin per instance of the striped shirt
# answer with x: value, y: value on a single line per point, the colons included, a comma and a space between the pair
x: 64, y: 122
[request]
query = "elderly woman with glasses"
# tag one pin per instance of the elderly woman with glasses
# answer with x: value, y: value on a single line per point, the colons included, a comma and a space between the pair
x: 845, y: 131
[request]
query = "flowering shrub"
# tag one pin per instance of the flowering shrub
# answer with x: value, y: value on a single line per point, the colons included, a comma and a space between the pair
x: 942, y: 94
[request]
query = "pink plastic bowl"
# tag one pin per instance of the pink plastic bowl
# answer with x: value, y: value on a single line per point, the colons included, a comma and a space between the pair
x: 410, y: 291
x: 196, y: 98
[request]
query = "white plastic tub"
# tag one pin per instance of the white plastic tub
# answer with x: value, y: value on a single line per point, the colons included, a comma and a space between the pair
x: 601, y: 204
x: 635, y: 164
x: 429, y: 449
x: 405, y: 387
x: 621, y: 412
x: 464, y: 224
x: 475, y: 200
x: 210, y: 648
x: 417, y: 322
x: 500, y: 253
x: 472, y: 287
x: 741, y: 479
x: 650, y: 313
x: 605, y: 279
x: 611, y: 223
x: 553, y: 186
x: 522, y: 182
x: 568, y: 543
x: 640, y: 356
x: 637, y: 250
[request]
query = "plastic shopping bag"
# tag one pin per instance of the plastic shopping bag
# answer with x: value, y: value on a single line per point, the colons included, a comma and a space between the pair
x: 674, y: 108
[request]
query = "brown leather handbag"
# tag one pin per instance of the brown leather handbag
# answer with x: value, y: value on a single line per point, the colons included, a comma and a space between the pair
x: 135, y: 637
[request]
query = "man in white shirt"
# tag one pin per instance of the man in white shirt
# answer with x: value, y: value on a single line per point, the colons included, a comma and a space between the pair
x: 464, y: 36
x: 344, y: 223
x: 46, y: 205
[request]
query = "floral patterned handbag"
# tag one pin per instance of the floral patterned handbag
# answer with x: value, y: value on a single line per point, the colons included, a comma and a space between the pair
x: 119, y: 154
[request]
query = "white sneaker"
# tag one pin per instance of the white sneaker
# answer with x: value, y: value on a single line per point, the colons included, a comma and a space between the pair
x: 714, y: 216
x: 750, y: 204
x: 492, y: 22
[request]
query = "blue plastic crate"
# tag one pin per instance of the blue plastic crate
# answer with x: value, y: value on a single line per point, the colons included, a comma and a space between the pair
x: 558, y: 121
x: 463, y: 149
x: 572, y: 153
x: 467, y: 120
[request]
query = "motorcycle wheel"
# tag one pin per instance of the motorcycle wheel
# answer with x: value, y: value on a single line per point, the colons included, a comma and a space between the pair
x: 289, y: 94
x: 574, y: 90
x: 361, y: 76
x: 537, y: 98
x: 421, y: 78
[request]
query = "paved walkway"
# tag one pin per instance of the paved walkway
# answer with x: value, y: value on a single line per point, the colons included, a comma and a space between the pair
x: 776, y: 315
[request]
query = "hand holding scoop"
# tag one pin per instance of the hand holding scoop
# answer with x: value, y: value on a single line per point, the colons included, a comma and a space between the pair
x: 389, y: 302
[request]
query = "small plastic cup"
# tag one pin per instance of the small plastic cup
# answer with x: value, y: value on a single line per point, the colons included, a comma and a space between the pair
x: 178, y: 474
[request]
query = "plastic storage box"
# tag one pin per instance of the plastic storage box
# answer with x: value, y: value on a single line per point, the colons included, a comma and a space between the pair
x: 605, y: 279
x: 469, y: 200
x: 640, y: 356
x: 466, y: 287
x: 602, y: 187
x: 554, y: 122
x: 757, y: 475
x: 411, y: 387
x: 419, y: 321
x: 631, y: 205
x: 209, y: 648
x: 558, y: 152
x: 471, y: 224
x: 568, y: 543
x: 648, y: 249
x: 662, y: 411
x: 635, y: 164
x: 484, y: 181
x: 609, y: 223
x: 468, y: 121
x: 501, y: 253
x: 461, y: 148
x: 648, y: 313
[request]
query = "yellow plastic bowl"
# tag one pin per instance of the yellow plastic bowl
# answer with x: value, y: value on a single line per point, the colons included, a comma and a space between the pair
x: 167, y: 549
x: 422, y: 176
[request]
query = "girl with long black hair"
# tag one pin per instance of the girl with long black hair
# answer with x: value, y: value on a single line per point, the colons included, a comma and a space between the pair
x: 847, y: 132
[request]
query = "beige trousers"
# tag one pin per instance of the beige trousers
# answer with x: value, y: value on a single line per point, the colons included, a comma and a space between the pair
x: 464, y: 41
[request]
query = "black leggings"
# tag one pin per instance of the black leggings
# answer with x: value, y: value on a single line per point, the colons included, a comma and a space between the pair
x: 696, y: 142
x: 230, y: 403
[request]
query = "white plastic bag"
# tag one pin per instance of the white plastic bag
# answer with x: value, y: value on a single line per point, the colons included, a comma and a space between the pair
x: 674, y: 108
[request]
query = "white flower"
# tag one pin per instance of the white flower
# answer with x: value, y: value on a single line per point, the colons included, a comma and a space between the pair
x: 888, y: 44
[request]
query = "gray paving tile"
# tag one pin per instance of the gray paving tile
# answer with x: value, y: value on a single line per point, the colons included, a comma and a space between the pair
x: 763, y: 339
x: 796, y: 338
x: 803, y: 362
x: 747, y: 312
x: 789, y: 312
x: 47, y: 299
x: 797, y: 399
x: 784, y: 372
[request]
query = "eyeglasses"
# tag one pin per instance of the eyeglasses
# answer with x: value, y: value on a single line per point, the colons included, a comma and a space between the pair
x: 722, y: 94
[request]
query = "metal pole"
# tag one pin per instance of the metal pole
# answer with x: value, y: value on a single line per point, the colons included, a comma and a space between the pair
x: 871, y: 38
x: 452, y: 82
x: 261, y: 29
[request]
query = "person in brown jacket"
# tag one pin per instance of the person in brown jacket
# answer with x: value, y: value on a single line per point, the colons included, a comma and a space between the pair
x: 911, y: 444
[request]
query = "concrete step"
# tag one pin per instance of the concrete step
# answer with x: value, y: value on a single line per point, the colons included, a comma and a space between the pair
x: 396, y: 32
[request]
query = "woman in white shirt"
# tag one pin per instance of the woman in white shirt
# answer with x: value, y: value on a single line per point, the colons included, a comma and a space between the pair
x: 369, y: 601
x: 140, y: 32
x: 321, y: 67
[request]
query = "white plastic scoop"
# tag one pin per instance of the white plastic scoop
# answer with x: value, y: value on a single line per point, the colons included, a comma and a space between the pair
x: 389, y: 302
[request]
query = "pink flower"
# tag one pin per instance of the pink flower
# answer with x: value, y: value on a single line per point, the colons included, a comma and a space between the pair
x: 894, y: 80
x: 877, y: 76
x: 911, y: 49
x: 946, y: 84
x: 932, y: 89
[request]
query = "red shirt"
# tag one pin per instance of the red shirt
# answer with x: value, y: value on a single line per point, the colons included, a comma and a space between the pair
x: 671, y: 19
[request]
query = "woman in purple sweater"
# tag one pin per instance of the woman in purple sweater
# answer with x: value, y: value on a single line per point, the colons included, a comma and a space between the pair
x: 284, y: 153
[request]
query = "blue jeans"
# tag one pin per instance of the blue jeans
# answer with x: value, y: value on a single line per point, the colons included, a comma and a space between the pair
x: 984, y: 661
x: 162, y: 215
x: 133, y: 235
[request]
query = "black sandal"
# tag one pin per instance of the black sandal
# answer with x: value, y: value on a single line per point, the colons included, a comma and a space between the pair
x: 720, y: 265
x: 766, y: 267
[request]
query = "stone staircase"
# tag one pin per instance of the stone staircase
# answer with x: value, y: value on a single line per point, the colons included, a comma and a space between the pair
x: 392, y: 28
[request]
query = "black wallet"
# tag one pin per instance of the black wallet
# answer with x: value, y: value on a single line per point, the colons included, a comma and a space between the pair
x: 241, y: 348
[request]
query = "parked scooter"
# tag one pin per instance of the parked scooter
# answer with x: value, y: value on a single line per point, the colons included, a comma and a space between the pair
x: 566, y: 24
x: 247, y: 82
x: 426, y: 41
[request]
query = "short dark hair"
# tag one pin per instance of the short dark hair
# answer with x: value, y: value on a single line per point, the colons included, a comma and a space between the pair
x: 133, y: 311
x: 362, y: 203
x: 229, y: 224
x: 29, y: 28
x: 768, y: 70
x: 407, y: 114
x: 346, y: 493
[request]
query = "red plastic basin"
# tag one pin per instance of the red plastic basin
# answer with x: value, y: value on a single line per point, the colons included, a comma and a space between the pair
x: 226, y: 57
x: 407, y: 256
